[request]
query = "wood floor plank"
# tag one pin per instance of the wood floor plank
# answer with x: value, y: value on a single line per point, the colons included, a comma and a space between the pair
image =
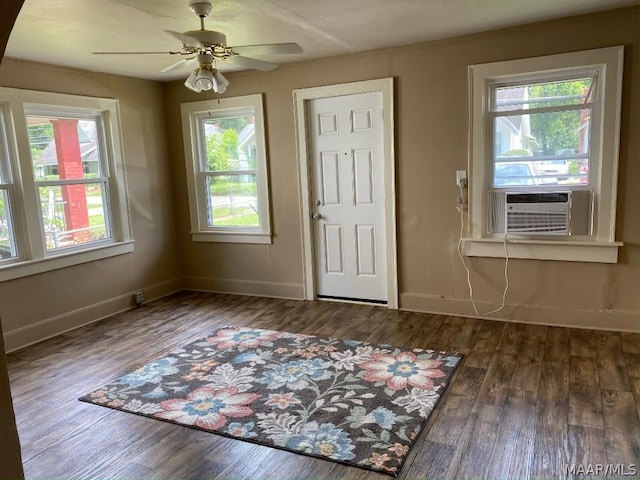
x: 483, y: 426
x: 630, y: 342
x: 495, y: 385
x: 521, y: 406
x: 529, y: 364
x: 468, y: 381
x: 612, y: 368
x: 512, y: 452
x: 632, y: 361
x: 582, y: 343
x: 452, y: 420
x: 585, y: 446
x: 549, y: 457
x: 585, y: 405
x: 434, y: 463
x: 622, y: 432
x: 557, y: 345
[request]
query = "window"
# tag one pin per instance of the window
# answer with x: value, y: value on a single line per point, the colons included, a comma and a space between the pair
x: 62, y: 190
x: 542, y: 127
x: 226, y: 170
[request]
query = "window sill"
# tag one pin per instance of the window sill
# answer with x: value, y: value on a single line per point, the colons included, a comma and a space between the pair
x: 33, y: 267
x: 562, y: 250
x: 232, y: 237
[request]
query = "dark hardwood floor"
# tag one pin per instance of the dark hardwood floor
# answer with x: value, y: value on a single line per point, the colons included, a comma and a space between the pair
x: 527, y: 401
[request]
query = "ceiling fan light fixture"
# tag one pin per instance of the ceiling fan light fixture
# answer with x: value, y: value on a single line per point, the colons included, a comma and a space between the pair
x: 220, y: 83
x: 204, y: 79
x: 190, y: 83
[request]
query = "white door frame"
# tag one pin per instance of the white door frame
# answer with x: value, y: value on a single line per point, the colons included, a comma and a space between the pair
x: 300, y: 99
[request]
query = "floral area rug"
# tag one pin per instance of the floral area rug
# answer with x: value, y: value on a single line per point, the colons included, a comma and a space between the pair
x: 351, y: 402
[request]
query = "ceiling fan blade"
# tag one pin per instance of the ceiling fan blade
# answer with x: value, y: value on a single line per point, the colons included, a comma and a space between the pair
x: 141, y: 53
x: 267, y: 49
x: 177, y: 64
x: 252, y: 63
x: 186, y: 39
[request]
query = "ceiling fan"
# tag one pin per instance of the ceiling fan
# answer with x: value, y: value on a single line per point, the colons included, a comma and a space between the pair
x: 208, y: 46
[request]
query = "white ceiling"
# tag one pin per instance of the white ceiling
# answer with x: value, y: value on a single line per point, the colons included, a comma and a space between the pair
x: 66, y: 32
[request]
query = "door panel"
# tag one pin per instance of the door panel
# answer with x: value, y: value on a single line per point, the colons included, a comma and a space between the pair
x: 347, y: 196
x: 366, y: 249
x: 330, y: 173
x: 334, y: 252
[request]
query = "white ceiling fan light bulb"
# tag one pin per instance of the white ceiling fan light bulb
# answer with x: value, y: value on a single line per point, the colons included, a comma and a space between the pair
x: 220, y: 83
x: 190, y: 82
x: 204, y: 79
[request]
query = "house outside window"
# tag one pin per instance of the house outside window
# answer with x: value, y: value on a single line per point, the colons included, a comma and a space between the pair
x: 62, y: 187
x: 226, y: 170
x: 544, y: 156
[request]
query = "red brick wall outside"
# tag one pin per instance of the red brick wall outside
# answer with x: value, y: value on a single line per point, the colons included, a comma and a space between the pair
x: 65, y: 134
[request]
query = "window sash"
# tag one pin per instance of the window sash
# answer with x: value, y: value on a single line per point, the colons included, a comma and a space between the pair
x: 493, y: 113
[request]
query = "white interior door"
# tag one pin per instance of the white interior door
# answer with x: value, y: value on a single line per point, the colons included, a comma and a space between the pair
x: 347, y: 196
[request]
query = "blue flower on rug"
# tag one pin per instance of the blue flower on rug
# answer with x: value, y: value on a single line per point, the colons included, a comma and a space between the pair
x: 384, y: 417
x: 353, y: 402
x: 151, y: 373
x: 241, y: 430
x: 326, y: 440
x: 296, y: 374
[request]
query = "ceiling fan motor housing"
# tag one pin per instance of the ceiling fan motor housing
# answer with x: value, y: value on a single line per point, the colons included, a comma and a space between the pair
x: 208, y: 37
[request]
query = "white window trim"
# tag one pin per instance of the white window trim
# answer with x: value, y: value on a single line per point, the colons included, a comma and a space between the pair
x: 33, y: 258
x: 201, y: 231
x: 602, y: 247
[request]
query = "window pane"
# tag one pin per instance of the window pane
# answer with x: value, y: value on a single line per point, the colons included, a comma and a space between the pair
x: 233, y: 201
x: 63, y: 148
x: 230, y: 144
x: 547, y: 94
x: 553, y: 145
x: 7, y: 241
x: 74, y: 214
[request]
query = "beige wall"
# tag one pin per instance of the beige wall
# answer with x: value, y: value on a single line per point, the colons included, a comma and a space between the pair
x: 42, y: 305
x: 431, y: 144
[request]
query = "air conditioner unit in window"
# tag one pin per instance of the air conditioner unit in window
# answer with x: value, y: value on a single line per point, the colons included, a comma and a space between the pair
x: 537, y: 213
x: 543, y: 213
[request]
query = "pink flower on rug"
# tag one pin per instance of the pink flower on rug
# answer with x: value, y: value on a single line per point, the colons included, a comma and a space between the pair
x: 242, y: 337
x: 399, y: 449
x: 401, y: 370
x: 282, y: 401
x: 208, y: 408
x: 378, y: 459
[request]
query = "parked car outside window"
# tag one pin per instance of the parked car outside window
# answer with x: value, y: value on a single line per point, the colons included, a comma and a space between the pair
x: 509, y: 174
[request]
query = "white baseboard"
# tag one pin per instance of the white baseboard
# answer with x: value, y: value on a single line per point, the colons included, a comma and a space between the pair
x: 616, y: 320
x: 53, y: 326
x: 294, y: 291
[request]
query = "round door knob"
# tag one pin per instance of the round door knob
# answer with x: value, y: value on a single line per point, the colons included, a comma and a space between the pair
x: 316, y: 216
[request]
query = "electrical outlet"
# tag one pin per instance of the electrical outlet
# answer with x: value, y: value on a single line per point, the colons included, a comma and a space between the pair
x: 461, y: 178
x: 138, y: 297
